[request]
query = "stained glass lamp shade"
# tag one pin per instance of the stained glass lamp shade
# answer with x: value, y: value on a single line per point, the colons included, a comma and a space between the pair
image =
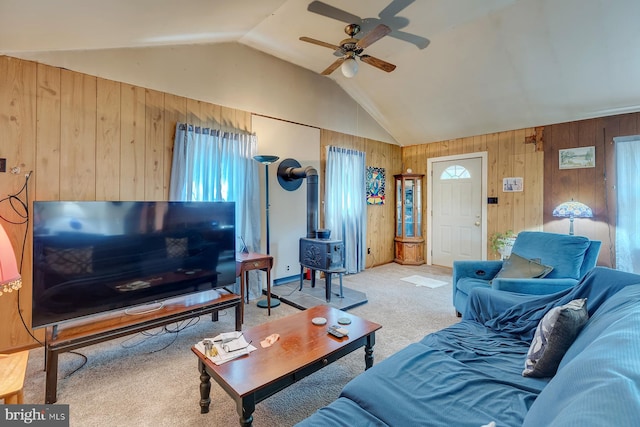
x: 571, y: 210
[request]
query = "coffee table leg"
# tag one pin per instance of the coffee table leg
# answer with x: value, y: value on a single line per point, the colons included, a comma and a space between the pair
x: 246, y: 406
x: 368, y: 350
x: 205, y: 388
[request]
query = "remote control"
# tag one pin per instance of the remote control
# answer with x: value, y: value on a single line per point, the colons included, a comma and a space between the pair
x: 337, y: 331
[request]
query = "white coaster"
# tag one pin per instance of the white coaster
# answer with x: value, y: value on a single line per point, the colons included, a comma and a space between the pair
x: 319, y: 321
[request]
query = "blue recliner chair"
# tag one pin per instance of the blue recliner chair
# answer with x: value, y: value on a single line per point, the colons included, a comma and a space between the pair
x: 571, y: 257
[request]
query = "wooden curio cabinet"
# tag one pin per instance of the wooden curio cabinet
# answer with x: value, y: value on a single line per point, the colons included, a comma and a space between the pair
x: 409, y: 241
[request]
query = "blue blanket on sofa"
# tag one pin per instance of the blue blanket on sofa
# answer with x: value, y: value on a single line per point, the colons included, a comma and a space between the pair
x: 471, y: 373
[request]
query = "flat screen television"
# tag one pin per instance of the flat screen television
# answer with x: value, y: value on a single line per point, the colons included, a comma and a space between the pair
x: 90, y: 257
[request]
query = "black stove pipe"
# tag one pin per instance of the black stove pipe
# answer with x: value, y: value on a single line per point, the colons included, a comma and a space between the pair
x: 309, y: 172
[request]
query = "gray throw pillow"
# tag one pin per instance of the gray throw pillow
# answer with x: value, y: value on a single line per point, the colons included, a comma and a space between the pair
x: 521, y: 268
x: 554, y: 335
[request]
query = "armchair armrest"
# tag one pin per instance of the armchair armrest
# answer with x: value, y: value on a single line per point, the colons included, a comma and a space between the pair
x: 484, y: 270
x: 532, y: 286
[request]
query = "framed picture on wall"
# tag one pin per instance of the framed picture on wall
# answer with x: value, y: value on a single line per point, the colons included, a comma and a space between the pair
x: 510, y: 185
x: 376, y: 183
x: 577, y: 158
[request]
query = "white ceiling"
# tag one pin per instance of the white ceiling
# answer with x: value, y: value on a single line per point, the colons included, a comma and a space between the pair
x: 491, y: 65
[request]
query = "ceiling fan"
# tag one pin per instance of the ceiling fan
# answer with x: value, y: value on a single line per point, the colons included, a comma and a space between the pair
x: 388, y: 16
x: 351, y: 48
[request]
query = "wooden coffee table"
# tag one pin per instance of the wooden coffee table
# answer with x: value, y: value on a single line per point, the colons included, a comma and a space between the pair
x: 303, y: 348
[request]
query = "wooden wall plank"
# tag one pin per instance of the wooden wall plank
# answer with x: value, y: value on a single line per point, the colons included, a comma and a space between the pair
x: 533, y: 186
x: 519, y: 210
x: 175, y: 111
x: 132, y: 142
x: 108, y: 156
x: 228, y: 119
x: 78, y: 135
x: 194, y: 116
x: 47, y: 180
x: 154, y: 146
x: 212, y: 115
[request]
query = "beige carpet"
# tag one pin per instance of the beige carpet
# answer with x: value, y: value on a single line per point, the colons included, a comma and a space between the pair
x: 152, y: 379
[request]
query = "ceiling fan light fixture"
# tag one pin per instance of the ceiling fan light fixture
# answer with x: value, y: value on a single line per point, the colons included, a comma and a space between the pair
x: 349, y: 67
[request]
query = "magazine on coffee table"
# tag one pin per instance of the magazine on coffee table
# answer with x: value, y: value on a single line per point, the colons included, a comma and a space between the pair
x: 225, y: 347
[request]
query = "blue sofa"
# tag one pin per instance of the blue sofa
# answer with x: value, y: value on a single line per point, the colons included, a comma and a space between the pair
x: 470, y: 374
x: 570, y: 256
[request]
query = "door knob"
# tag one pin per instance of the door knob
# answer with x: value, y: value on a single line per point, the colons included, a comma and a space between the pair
x: 477, y: 223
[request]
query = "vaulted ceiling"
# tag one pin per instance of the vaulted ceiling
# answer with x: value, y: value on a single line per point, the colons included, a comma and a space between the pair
x: 464, y: 67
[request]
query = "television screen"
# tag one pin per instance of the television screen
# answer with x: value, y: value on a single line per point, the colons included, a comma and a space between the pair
x: 93, y: 256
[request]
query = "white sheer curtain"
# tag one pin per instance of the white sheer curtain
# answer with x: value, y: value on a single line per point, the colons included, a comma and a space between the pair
x: 210, y: 165
x: 345, y: 204
x: 628, y: 197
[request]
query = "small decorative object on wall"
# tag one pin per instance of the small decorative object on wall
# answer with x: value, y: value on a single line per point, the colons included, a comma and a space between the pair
x: 510, y: 185
x: 576, y: 158
x: 375, y: 185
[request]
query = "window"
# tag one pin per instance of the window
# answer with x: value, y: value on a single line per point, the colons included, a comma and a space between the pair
x: 455, y: 172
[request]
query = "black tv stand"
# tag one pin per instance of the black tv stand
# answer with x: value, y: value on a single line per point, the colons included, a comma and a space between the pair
x: 103, y: 327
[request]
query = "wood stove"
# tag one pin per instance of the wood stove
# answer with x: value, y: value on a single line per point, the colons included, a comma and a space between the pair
x: 321, y: 254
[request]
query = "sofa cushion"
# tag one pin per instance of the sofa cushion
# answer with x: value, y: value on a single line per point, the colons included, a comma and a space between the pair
x: 598, y: 381
x: 522, y: 268
x: 555, y: 333
x: 451, y: 372
x: 565, y: 253
x: 341, y: 411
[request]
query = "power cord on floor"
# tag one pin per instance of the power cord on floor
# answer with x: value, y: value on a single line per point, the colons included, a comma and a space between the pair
x: 179, y: 327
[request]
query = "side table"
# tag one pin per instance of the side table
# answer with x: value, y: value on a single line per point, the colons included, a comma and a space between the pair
x: 246, y: 262
x: 12, y: 370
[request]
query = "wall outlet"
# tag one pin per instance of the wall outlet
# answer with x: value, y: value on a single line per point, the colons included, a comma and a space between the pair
x: 287, y: 268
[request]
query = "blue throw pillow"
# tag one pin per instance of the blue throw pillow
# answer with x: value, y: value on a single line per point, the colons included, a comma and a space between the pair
x: 554, y: 335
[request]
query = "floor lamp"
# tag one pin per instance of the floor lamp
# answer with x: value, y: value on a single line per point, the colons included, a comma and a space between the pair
x: 266, y: 161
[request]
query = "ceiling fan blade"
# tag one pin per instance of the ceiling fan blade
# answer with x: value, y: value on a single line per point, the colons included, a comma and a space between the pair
x: 333, y: 12
x: 378, y: 63
x: 331, y: 68
x: 395, y: 7
x: 373, y: 36
x: 418, y: 41
x: 320, y: 43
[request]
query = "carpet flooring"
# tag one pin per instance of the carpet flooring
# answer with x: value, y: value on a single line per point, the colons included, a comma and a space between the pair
x: 151, y: 379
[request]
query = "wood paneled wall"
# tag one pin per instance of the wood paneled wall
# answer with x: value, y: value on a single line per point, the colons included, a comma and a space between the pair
x: 510, y: 154
x: 380, y: 218
x: 84, y: 138
x: 594, y: 187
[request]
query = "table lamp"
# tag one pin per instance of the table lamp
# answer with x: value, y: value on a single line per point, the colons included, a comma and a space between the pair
x: 10, y: 279
x: 571, y: 210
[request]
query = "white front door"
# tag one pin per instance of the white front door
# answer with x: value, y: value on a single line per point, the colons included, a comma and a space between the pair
x: 458, y: 213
